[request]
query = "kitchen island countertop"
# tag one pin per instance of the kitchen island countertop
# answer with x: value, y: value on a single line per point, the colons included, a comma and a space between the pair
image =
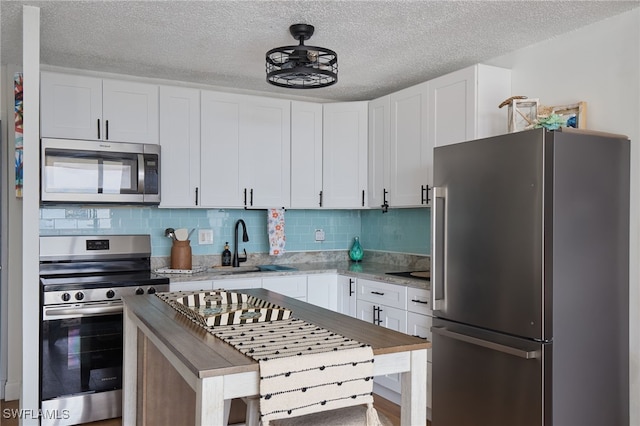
x: 165, y: 350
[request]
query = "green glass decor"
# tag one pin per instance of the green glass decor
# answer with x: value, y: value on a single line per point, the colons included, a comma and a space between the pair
x: 356, y: 252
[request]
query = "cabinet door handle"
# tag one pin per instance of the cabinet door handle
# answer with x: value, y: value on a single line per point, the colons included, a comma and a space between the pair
x: 375, y: 309
x: 351, y: 292
x: 320, y: 203
x: 196, y: 196
x: 245, y: 197
x: 385, y: 204
x: 251, y: 197
x: 363, y: 198
x: 420, y: 301
x: 424, y: 194
x: 106, y: 129
x: 378, y: 293
x: 98, y: 128
x: 379, y: 321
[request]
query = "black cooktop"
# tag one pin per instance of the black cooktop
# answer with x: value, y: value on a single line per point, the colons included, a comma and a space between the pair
x: 418, y: 275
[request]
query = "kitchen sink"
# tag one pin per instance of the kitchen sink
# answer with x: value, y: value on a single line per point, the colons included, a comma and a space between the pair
x: 228, y: 270
x: 276, y: 268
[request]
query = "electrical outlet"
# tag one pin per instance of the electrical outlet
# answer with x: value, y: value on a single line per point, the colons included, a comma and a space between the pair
x: 205, y: 236
x: 319, y: 235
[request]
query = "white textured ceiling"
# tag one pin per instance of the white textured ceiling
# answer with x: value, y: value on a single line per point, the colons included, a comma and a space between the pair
x: 382, y: 46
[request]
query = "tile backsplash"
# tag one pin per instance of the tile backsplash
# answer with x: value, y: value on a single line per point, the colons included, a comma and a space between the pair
x: 399, y: 230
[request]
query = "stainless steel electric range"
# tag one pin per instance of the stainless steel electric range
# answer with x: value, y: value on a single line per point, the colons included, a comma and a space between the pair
x: 82, y: 281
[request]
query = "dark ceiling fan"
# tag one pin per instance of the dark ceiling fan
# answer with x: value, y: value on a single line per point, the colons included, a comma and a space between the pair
x: 302, y: 67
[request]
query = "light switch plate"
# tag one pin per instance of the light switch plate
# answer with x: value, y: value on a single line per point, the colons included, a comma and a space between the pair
x: 205, y: 236
x: 319, y: 235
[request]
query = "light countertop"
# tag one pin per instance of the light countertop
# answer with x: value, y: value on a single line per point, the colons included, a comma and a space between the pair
x: 365, y: 270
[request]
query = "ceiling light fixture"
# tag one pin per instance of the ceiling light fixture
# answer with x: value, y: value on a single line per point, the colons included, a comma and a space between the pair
x: 302, y: 67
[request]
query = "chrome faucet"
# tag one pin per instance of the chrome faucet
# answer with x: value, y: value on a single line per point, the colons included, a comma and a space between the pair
x: 245, y: 237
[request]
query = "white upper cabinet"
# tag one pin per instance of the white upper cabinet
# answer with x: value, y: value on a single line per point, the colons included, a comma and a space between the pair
x: 180, y: 144
x: 245, y: 151
x: 411, y: 154
x: 81, y: 107
x: 463, y: 105
x: 400, y: 157
x: 306, y: 154
x: 220, y: 150
x: 130, y: 111
x: 379, y: 134
x: 265, y: 151
x: 71, y: 106
x: 344, y: 159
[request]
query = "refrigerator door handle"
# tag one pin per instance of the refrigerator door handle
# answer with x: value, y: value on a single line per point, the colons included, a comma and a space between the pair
x: 521, y: 353
x: 438, y: 248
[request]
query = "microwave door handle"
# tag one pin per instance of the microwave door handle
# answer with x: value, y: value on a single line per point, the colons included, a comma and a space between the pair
x: 141, y: 173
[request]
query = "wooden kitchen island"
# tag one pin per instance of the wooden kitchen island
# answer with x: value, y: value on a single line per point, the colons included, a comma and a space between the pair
x: 175, y: 372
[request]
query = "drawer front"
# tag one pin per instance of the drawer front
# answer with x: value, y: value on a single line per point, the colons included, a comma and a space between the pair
x: 382, y: 293
x: 418, y: 301
x: 191, y: 285
x: 292, y: 286
x: 237, y: 283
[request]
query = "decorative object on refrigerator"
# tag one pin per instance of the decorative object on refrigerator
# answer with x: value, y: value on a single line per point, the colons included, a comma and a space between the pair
x: 226, y: 255
x: 181, y: 255
x: 522, y: 113
x: 356, y: 252
x: 275, y: 229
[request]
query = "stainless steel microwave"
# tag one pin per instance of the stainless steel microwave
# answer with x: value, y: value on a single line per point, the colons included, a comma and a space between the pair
x: 80, y: 171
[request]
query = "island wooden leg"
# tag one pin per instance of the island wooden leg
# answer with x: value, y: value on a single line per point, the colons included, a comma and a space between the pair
x: 413, y: 410
x: 129, y: 370
x: 210, y: 403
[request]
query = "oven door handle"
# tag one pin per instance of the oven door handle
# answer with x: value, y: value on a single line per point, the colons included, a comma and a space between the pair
x: 56, y: 312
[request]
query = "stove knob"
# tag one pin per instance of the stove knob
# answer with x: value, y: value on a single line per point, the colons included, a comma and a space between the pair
x: 151, y: 290
x: 79, y: 295
x: 66, y: 297
x: 110, y: 294
x: 139, y: 290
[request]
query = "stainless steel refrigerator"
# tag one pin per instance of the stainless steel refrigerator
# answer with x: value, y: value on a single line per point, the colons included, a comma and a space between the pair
x: 530, y: 277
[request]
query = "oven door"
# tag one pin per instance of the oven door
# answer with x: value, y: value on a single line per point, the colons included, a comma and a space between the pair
x: 81, y: 350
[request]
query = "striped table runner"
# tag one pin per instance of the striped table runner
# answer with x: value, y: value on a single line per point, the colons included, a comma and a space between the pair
x: 304, y: 368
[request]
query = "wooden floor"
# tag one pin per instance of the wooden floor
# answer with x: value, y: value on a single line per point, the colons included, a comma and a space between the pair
x: 386, y: 407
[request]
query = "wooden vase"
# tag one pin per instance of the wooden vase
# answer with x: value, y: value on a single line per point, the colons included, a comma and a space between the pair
x: 181, y: 255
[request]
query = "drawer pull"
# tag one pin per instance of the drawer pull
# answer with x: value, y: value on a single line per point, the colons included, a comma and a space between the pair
x: 420, y: 337
x: 378, y: 293
x: 420, y: 301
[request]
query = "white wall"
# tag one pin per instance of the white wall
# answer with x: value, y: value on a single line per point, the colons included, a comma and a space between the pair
x: 599, y: 64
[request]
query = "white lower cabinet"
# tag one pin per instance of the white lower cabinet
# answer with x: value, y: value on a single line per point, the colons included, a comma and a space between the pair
x: 190, y: 285
x: 322, y: 291
x: 292, y: 286
x: 347, y: 295
x: 419, y: 321
x: 385, y: 305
